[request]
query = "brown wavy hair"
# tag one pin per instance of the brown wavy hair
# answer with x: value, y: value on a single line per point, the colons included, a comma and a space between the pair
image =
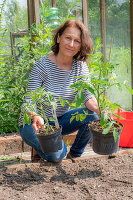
x: 86, y: 42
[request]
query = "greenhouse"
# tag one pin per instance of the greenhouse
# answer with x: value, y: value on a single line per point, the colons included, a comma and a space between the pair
x: 66, y: 99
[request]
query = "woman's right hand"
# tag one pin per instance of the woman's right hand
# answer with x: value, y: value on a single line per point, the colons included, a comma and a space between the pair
x: 37, y: 122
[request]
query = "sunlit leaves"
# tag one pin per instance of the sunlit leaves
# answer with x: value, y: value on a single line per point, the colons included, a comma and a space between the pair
x: 62, y: 101
x: 115, y: 134
x: 79, y: 98
x: 38, y: 98
x: 108, y: 127
x: 78, y: 117
x: 104, y: 119
x: 130, y: 90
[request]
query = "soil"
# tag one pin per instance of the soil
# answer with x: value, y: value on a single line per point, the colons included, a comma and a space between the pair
x: 42, y: 131
x: 96, y: 127
x: 101, y: 178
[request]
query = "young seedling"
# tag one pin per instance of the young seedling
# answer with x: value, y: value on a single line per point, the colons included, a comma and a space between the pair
x: 37, y: 98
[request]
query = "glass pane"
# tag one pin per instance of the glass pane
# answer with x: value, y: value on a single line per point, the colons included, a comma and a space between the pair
x: 65, y: 9
x: 94, y: 18
x: 118, y: 43
x: 14, y: 19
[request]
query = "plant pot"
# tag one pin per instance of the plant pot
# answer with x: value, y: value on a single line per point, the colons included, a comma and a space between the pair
x: 51, y: 143
x: 104, y: 144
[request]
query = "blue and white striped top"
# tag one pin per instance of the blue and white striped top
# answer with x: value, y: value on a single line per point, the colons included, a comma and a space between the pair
x: 56, y: 80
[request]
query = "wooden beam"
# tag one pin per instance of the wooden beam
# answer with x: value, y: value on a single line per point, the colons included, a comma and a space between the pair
x: 77, y: 13
x: 53, y: 3
x: 131, y: 35
x: 12, y: 38
x: 103, y: 27
x: 85, y: 12
x: 37, y: 16
x: 12, y: 44
x: 33, y: 12
x: 30, y: 13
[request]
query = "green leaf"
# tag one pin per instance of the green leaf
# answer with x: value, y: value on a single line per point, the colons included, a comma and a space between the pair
x: 79, y: 99
x: 108, y: 127
x: 90, y: 89
x: 7, y: 86
x: 23, y: 122
x: 52, y: 119
x: 82, y: 117
x: 115, y: 134
x: 54, y: 105
x: 86, y: 112
x: 117, y: 116
x: 130, y: 90
x: 67, y: 102
x: 77, y: 117
x: 3, y: 100
x: 46, y: 131
x: 72, y: 118
x: 104, y: 119
x: 76, y: 84
x: 62, y: 101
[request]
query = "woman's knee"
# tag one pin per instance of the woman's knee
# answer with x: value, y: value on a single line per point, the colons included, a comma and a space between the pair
x: 95, y: 116
x: 54, y: 158
x: 27, y: 131
x: 91, y: 116
x: 28, y: 135
x: 57, y: 156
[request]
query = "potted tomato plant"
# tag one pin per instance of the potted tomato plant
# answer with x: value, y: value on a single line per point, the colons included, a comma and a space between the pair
x: 49, y: 135
x: 105, y: 131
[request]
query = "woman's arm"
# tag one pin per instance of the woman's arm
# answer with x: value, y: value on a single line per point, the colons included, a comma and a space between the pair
x: 92, y: 105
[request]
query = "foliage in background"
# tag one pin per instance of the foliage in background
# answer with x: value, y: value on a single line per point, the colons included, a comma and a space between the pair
x: 14, y: 73
x: 123, y: 72
x: 118, y: 23
x: 15, y: 15
x: 66, y: 8
x: 94, y: 18
x: 14, y: 76
x: 14, y: 18
x: 2, y: 30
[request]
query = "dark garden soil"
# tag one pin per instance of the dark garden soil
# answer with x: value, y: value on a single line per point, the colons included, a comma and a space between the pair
x: 101, y: 178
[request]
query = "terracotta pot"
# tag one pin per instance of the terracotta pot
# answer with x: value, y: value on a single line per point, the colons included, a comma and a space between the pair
x: 51, y: 143
x: 104, y: 144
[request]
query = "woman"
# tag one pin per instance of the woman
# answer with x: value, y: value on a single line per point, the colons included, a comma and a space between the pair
x: 57, y: 71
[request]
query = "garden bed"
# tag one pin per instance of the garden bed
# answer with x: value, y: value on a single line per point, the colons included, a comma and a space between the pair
x: 13, y: 143
x: 96, y: 178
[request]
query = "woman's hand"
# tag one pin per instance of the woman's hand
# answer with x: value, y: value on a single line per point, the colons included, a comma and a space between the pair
x: 37, y: 122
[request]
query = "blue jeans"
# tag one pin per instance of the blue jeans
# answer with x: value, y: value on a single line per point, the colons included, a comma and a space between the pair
x: 83, y: 136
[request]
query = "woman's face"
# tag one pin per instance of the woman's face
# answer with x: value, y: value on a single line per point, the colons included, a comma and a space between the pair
x: 70, y: 41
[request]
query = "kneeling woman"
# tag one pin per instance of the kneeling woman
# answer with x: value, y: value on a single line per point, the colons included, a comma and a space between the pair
x: 57, y: 71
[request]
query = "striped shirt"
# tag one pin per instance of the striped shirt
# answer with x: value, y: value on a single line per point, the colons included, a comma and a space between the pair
x: 46, y: 73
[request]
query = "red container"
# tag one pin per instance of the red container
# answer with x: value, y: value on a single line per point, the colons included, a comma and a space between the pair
x: 126, y: 136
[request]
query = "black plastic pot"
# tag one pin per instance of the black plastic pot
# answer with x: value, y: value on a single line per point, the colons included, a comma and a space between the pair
x: 51, y: 143
x: 104, y: 144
